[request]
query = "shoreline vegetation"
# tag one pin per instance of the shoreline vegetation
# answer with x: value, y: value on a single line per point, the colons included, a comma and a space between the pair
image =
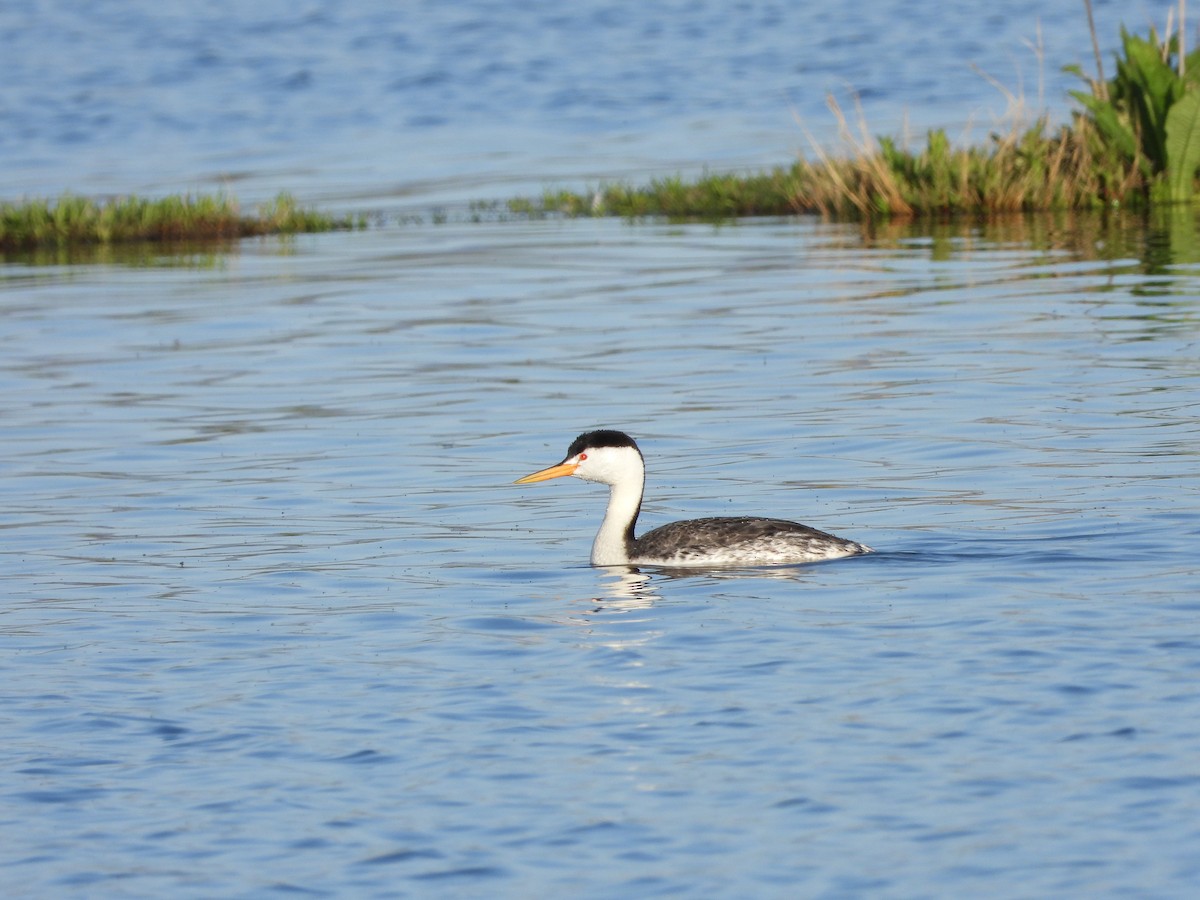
x: 75, y: 221
x: 1133, y: 144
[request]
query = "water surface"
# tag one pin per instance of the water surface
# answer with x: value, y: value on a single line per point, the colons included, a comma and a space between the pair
x: 275, y: 619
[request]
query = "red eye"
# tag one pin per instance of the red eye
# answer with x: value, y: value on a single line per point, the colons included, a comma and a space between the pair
x: 582, y: 457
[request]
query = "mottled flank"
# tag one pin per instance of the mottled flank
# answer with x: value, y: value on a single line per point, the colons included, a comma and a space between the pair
x: 739, y: 540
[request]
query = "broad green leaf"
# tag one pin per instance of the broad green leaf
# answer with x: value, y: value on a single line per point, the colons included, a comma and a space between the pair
x: 1183, y: 146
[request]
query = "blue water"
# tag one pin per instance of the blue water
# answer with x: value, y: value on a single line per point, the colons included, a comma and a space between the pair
x: 384, y: 105
x: 275, y: 620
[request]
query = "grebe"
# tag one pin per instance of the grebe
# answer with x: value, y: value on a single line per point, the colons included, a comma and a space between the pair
x: 613, y: 458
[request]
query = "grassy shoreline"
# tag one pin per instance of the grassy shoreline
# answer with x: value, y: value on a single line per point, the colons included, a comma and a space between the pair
x: 74, y: 221
x: 1134, y: 143
x: 1020, y: 172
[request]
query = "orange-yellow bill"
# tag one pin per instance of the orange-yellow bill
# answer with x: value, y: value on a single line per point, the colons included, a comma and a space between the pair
x: 546, y: 474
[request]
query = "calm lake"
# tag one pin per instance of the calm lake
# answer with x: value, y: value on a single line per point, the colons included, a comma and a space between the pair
x: 275, y: 621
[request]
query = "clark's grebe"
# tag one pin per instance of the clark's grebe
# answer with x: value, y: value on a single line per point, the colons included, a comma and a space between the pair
x: 613, y: 458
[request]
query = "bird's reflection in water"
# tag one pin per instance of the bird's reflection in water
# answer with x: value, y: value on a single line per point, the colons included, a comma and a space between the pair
x: 624, y: 588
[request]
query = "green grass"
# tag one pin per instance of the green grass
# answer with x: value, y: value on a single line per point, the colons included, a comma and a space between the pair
x: 73, y: 220
x: 1025, y: 170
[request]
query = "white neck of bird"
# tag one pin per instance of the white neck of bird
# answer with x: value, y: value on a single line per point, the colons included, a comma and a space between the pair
x: 613, y: 541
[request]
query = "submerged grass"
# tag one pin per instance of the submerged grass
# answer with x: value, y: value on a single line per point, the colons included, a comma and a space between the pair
x: 72, y: 220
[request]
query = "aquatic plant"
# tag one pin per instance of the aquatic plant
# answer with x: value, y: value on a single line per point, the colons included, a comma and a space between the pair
x: 1029, y: 167
x: 1149, y: 112
x: 80, y: 220
x: 1025, y: 169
